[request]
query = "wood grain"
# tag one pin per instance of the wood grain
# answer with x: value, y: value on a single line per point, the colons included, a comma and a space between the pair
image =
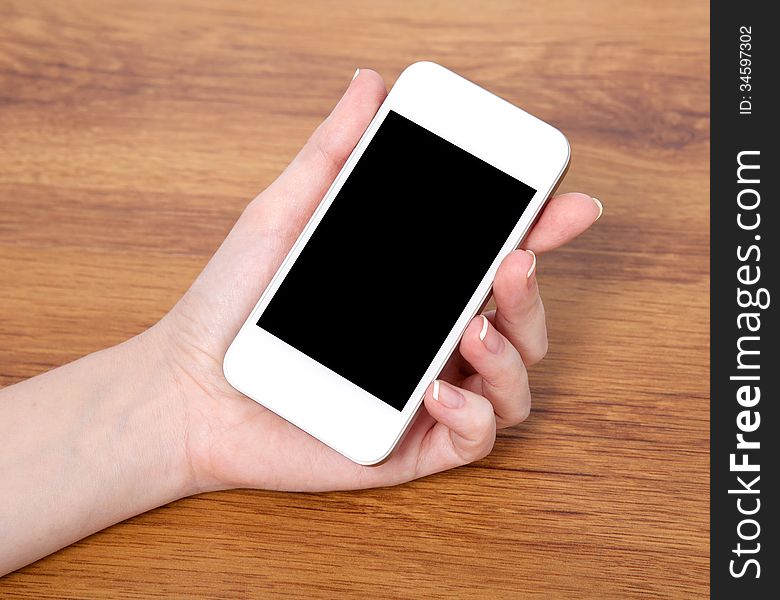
x: 132, y: 135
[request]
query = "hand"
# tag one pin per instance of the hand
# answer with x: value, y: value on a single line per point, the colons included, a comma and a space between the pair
x: 131, y: 427
x: 231, y: 441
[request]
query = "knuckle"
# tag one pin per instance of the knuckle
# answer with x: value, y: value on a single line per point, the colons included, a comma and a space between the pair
x: 517, y: 414
x: 482, y: 437
x: 329, y: 152
x: 484, y: 418
x: 535, y: 354
x: 524, y: 412
x: 478, y: 450
x: 533, y: 306
x: 487, y: 446
x: 515, y: 409
x: 485, y: 422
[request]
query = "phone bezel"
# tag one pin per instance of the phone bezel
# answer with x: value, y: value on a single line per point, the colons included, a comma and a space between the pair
x: 326, y: 405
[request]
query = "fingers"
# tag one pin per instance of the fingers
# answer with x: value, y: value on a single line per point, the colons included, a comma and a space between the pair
x: 498, y: 346
x: 564, y: 218
x: 287, y: 204
x: 519, y: 310
x: 467, y: 417
x: 465, y: 432
x: 500, y: 374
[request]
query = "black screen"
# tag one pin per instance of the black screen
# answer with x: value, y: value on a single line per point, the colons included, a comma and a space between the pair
x: 395, y: 259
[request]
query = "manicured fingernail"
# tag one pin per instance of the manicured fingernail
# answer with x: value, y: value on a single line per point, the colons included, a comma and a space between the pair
x: 601, y: 208
x: 532, y: 268
x: 356, y: 74
x: 490, y: 337
x: 447, y: 395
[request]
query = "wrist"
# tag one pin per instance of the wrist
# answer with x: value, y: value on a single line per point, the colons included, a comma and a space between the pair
x: 148, y: 416
x: 189, y: 394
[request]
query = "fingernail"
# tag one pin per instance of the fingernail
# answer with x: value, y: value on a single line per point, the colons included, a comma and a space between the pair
x: 447, y: 395
x: 490, y: 337
x: 356, y: 74
x: 601, y: 208
x: 532, y: 268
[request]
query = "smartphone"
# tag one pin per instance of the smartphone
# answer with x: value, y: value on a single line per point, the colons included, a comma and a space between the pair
x: 400, y: 255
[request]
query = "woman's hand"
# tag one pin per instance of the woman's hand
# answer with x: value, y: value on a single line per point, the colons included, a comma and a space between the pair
x: 132, y: 427
x: 228, y: 440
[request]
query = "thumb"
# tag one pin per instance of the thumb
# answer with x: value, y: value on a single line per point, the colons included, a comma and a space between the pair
x: 219, y: 300
x: 285, y: 206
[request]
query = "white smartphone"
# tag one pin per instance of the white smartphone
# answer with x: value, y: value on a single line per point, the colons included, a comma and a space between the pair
x: 400, y: 255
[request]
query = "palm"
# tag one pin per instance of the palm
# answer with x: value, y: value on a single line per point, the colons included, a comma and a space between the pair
x: 241, y: 442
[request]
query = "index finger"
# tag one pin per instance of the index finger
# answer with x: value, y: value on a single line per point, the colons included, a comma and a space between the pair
x: 563, y: 219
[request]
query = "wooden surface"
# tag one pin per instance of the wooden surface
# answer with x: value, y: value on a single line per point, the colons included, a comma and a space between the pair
x: 131, y: 136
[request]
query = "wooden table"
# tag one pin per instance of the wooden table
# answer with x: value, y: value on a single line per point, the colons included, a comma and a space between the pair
x: 131, y: 136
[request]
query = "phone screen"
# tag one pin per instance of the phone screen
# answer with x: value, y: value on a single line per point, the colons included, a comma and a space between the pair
x: 395, y: 259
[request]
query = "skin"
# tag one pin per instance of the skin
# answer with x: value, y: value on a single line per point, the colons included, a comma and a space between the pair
x: 152, y: 420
